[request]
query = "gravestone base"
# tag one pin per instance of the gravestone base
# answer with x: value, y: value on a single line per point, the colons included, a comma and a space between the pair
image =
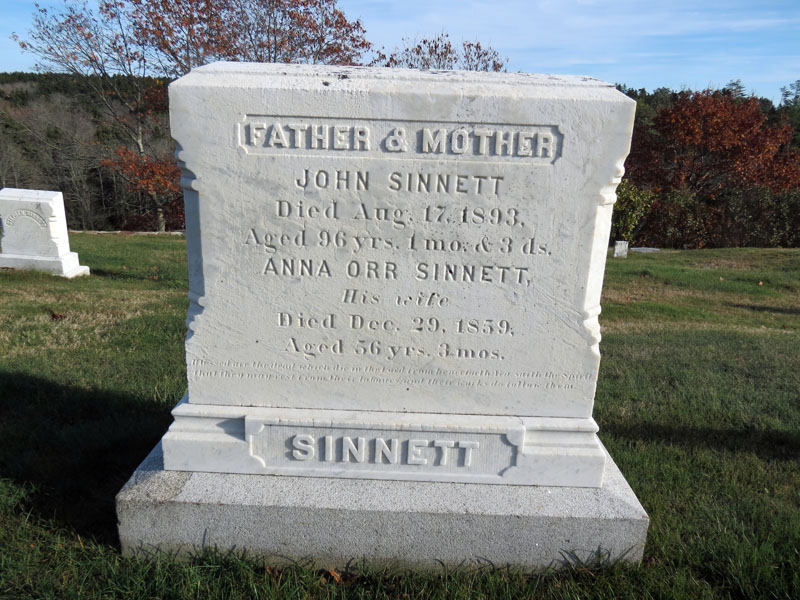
x: 67, y: 265
x: 398, y: 524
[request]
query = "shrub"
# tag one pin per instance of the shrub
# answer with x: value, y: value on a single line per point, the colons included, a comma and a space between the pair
x: 631, y: 208
x: 680, y: 219
x: 752, y: 216
x: 759, y: 217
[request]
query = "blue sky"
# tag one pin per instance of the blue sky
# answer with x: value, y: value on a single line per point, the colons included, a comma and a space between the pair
x: 678, y: 44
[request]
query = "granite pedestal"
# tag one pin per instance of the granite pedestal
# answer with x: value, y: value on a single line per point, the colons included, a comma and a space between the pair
x: 417, y: 524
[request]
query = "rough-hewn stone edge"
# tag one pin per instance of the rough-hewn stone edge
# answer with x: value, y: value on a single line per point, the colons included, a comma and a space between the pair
x: 416, y: 524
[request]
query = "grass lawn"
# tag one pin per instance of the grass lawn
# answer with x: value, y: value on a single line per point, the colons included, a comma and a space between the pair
x: 698, y: 403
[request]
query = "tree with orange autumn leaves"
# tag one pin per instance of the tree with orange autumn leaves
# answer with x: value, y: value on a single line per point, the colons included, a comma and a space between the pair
x: 708, y: 141
x: 125, y: 43
x: 717, y: 170
x: 102, y: 47
x: 125, y: 47
x: 187, y: 33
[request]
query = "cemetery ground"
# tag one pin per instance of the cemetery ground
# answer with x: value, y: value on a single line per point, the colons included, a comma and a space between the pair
x: 698, y: 402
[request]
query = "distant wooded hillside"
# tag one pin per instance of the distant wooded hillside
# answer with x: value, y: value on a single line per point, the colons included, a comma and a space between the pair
x: 707, y: 169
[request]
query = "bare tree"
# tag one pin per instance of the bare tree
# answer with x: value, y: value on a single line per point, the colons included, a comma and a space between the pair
x: 56, y: 144
x: 440, y: 53
x: 102, y: 47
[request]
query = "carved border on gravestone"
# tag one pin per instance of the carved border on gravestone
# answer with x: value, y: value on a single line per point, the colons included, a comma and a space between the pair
x: 26, y: 212
x: 608, y: 198
x: 191, y: 201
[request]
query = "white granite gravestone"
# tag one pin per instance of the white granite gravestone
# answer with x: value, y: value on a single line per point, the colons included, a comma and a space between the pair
x: 394, y: 275
x: 33, y: 233
x: 620, y: 249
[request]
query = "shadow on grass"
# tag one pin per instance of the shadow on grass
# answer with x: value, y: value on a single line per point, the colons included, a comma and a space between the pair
x: 767, y: 445
x: 75, y: 447
x: 132, y: 275
x: 772, y: 309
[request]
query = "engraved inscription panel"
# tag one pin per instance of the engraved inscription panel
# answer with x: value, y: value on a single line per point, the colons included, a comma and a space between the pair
x: 25, y: 213
x: 406, y: 276
x: 485, y: 142
x: 391, y: 451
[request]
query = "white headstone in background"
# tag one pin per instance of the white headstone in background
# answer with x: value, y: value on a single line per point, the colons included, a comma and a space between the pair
x: 620, y: 249
x: 33, y: 233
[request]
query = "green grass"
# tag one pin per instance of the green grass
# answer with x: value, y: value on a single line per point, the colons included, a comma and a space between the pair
x: 698, y: 402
